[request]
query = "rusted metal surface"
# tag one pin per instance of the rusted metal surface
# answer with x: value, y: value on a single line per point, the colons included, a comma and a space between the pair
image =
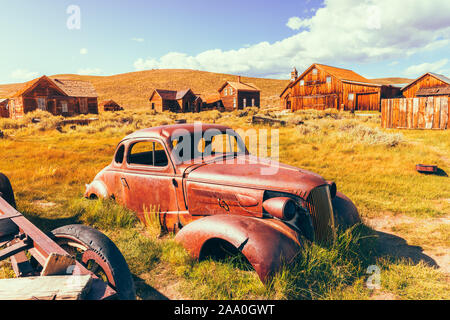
x: 423, y: 168
x: 227, y: 200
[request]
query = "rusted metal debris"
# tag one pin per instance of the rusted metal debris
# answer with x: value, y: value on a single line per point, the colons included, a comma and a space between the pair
x: 267, y: 120
x: 213, y: 204
x: 423, y: 168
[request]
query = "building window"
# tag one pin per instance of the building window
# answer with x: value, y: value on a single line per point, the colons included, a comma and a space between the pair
x: 351, y: 96
x: 253, y: 102
x: 231, y: 91
x: 64, y: 107
x: 245, y: 103
x: 153, y: 106
x: 225, y: 91
x: 234, y: 103
x: 328, y: 79
x: 314, y: 72
x: 302, y: 82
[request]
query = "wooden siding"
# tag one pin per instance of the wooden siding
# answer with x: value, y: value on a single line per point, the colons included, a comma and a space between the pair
x: 416, y: 113
x: 427, y: 81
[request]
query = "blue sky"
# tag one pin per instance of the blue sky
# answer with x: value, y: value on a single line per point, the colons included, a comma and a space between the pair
x: 248, y: 37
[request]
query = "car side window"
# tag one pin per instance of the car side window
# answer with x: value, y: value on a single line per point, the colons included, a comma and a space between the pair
x: 148, y: 153
x: 119, y: 154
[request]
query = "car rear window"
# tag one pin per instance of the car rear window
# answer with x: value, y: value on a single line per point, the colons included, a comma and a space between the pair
x: 148, y: 153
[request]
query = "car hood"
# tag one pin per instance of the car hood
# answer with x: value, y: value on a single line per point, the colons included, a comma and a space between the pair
x: 254, y: 172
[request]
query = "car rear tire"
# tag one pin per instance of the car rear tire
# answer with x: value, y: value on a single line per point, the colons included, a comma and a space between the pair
x: 7, y: 227
x: 99, y: 255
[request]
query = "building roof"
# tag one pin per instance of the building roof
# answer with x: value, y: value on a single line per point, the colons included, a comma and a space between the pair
x: 170, y: 94
x: 211, y: 98
x: 71, y: 88
x: 76, y: 88
x: 437, y: 76
x: 434, y: 91
x: 3, y: 100
x: 240, y: 86
x: 106, y: 102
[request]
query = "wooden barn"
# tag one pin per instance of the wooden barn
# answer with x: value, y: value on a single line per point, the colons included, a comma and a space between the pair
x: 239, y: 95
x: 110, y: 105
x: 175, y: 101
x: 430, y: 84
x: 323, y: 87
x: 57, y: 96
x: 4, y: 112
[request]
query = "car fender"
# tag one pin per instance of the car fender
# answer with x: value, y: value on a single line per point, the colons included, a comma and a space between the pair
x: 266, y: 243
x: 345, y: 211
x: 97, y: 188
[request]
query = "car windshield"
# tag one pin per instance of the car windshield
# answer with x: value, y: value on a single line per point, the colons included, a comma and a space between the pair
x: 210, y: 144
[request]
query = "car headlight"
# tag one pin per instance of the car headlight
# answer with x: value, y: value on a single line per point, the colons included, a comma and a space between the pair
x: 283, y: 208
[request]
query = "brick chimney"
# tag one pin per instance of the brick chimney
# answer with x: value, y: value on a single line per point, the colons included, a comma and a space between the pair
x: 239, y: 79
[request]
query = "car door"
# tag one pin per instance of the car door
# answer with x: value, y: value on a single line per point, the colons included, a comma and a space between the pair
x: 147, y: 180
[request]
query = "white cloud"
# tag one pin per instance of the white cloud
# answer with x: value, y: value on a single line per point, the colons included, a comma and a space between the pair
x: 420, y: 69
x: 83, y: 51
x: 295, y: 23
x: 138, y: 39
x: 90, y: 71
x: 24, y: 74
x: 340, y: 32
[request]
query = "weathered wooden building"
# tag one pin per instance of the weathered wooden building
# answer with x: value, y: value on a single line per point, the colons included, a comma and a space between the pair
x: 429, y: 84
x: 424, y: 105
x: 175, y: 101
x: 212, y: 102
x: 4, y: 110
x: 110, y: 105
x: 57, y: 96
x: 323, y: 87
x: 239, y: 95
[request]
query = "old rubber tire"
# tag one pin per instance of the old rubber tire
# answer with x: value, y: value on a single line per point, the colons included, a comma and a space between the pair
x: 7, y: 227
x: 105, y: 250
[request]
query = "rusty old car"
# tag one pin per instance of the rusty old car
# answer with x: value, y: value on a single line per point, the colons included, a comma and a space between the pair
x: 218, y: 197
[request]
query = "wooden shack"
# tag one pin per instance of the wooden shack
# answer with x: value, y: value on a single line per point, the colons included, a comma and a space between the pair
x: 110, y: 106
x: 323, y: 87
x: 57, y: 96
x: 239, y: 95
x: 4, y: 112
x: 175, y: 101
x: 424, y: 105
x: 429, y: 84
x: 212, y: 102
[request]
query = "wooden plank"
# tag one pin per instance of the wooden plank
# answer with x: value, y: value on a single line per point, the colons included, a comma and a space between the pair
x: 415, y: 112
x: 421, y: 118
x: 437, y: 112
x: 57, y: 264
x: 45, y: 288
x: 409, y: 113
x: 445, y: 114
x: 429, y: 113
x: 383, y: 113
x: 389, y: 119
x: 402, y: 106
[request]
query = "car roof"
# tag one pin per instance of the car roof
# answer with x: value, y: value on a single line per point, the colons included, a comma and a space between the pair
x: 168, y: 130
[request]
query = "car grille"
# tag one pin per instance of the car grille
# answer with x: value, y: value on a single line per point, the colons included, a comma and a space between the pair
x: 321, y: 210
